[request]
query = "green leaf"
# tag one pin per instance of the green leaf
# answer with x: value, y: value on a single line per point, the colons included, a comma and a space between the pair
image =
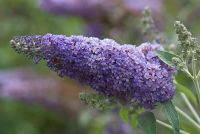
x: 147, y: 122
x: 186, y: 91
x: 124, y: 114
x: 172, y: 116
x: 166, y: 57
x: 134, y: 120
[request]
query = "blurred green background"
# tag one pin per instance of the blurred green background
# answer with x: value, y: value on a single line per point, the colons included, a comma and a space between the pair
x: 20, y: 114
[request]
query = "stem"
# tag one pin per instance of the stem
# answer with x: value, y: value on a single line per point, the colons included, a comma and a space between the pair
x: 190, y: 107
x: 196, y: 84
x: 170, y: 127
x: 198, y: 74
x: 187, y: 117
x: 187, y: 72
x: 195, y: 79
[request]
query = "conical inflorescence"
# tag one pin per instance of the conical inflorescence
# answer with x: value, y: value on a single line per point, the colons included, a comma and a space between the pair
x: 126, y: 72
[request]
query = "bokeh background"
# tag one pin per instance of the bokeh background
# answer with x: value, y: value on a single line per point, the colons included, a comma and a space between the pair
x: 34, y: 100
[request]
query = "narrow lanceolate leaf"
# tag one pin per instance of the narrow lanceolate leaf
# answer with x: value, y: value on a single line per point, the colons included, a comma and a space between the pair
x: 134, y: 120
x: 186, y: 91
x: 166, y: 57
x: 124, y: 114
x: 147, y: 122
x: 172, y: 116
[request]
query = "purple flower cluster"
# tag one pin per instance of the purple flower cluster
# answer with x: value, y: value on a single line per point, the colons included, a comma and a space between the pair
x: 124, y: 71
x: 74, y: 7
x: 98, y: 8
x: 102, y: 16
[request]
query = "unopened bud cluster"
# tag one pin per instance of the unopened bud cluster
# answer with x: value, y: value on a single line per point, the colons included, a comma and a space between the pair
x: 189, y: 46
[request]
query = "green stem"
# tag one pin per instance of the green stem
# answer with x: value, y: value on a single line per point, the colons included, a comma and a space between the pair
x: 189, y: 119
x: 186, y: 70
x: 170, y: 127
x: 188, y: 73
x: 198, y: 75
x: 195, y: 79
x: 196, y: 84
x: 190, y: 107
